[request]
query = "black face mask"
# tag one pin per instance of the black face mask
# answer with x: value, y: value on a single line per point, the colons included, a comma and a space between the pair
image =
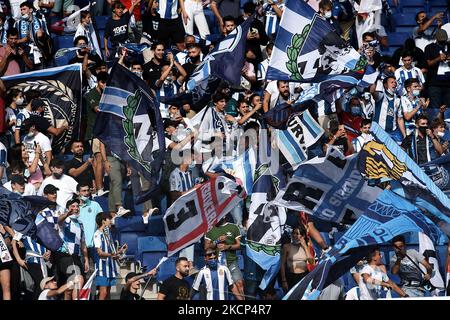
x: 423, y: 130
x: 57, y: 175
x: 195, y: 59
x: 425, y: 20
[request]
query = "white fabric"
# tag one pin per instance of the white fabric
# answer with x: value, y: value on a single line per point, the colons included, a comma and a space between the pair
x: 29, y: 189
x: 43, y: 295
x: 369, y: 290
x: 194, y: 10
x: 43, y: 141
x: 67, y: 188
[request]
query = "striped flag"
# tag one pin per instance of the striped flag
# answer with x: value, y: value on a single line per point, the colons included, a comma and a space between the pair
x: 85, y: 292
x: 301, y: 133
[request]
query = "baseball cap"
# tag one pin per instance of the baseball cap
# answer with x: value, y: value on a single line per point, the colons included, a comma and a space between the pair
x: 130, y: 275
x: 45, y: 281
x: 18, y: 179
x: 50, y: 189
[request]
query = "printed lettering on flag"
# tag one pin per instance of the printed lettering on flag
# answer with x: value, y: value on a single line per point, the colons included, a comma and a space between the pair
x: 197, y: 211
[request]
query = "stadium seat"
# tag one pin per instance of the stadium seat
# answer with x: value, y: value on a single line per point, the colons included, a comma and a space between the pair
x: 151, y: 244
x: 405, y: 20
x: 438, y: 3
x: 155, y: 226
x: 100, y: 22
x: 413, y: 3
x: 130, y: 224
x: 131, y: 239
x: 397, y: 39
x: 63, y: 42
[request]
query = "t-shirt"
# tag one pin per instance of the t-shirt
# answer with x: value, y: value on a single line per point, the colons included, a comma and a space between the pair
x: 12, y: 66
x: 216, y: 282
x: 432, y: 51
x: 43, y: 295
x: 232, y: 232
x: 43, y: 141
x: 88, y: 212
x: 67, y: 188
x: 152, y: 72
x: 175, y: 289
x: 408, y: 271
x: 181, y: 181
x: 117, y: 30
x: 275, y: 97
x: 127, y: 295
x: 84, y: 177
x: 370, y: 291
x: 150, y: 24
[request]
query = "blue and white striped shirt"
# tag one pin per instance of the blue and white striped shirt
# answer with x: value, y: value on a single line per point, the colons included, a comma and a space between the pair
x: 33, y: 247
x: 21, y: 117
x: 166, y: 90
x: 107, y: 267
x: 50, y: 215
x: 216, y: 281
x: 272, y: 22
x: 401, y: 74
x: 168, y: 9
x: 387, y: 111
x: 408, y: 106
x: 181, y: 181
x: 73, y: 236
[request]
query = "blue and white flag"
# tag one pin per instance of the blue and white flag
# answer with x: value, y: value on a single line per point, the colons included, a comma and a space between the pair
x: 60, y: 89
x: 382, y: 159
x: 301, y: 133
x: 387, y: 217
x: 241, y: 167
x: 226, y: 60
x: 438, y: 171
x: 329, y: 188
x: 307, y: 49
x: 265, y: 219
x: 94, y: 37
x: 130, y: 125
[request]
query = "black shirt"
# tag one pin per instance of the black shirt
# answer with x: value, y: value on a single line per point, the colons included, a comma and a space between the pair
x: 127, y: 295
x: 421, y: 156
x: 117, y: 30
x: 85, y: 177
x: 150, y: 24
x: 175, y: 289
x: 40, y: 122
x: 432, y: 51
x: 152, y: 72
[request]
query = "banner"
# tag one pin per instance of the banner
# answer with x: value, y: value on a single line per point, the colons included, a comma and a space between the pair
x: 307, y: 49
x: 388, y: 216
x: 301, y: 133
x: 85, y: 292
x: 426, y: 248
x: 61, y: 91
x: 197, y: 211
x: 130, y: 125
x: 329, y: 188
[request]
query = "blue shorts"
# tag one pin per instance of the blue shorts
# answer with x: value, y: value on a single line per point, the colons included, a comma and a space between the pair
x: 101, y: 281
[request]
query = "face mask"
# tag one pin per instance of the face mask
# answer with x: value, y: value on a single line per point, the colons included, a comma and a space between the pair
x: 138, y: 73
x: 416, y: 93
x: 212, y: 263
x: 25, y: 17
x: 327, y: 14
x: 367, y: 95
x: 57, y: 175
x: 30, y: 135
x: 365, y: 136
x: 356, y: 110
x: 442, y: 43
x: 440, y: 134
x: 84, y: 199
x: 19, y: 101
x: 75, y: 216
x: 18, y: 192
x: 423, y: 130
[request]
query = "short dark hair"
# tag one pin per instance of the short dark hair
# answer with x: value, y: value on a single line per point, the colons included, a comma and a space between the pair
x: 83, y: 184
x: 179, y: 260
x: 228, y: 18
x: 135, y: 63
x: 75, y: 41
x: 368, y: 34
x: 409, y: 82
x: 58, y: 163
x: 436, y: 123
x: 26, y: 4
x: 155, y: 44
x: 421, y: 117
x: 218, y: 96
x: 417, y: 15
x: 270, y: 45
x: 372, y: 253
x: 26, y: 125
x: 334, y: 126
x: 102, y: 76
x: 12, y: 32
x: 385, y: 80
x: 117, y: 4
x: 407, y: 53
x: 84, y: 14
x: 72, y: 201
x: 325, y: 3
x: 399, y: 238
x: 32, y: 94
x: 280, y: 82
x: 102, y: 216
x: 365, y: 122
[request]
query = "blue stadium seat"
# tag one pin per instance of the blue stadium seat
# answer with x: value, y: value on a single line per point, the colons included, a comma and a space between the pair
x: 103, y: 202
x: 131, y: 239
x: 131, y: 224
x: 155, y: 226
x: 151, y: 259
x: 100, y: 22
x: 151, y: 244
x: 167, y: 269
x: 240, y: 261
x: 397, y: 39
x: 413, y: 3
x: 438, y: 3
x: 63, y: 42
x: 405, y: 19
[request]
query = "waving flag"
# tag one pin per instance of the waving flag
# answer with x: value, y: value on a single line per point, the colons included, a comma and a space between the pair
x: 388, y: 216
x: 85, y: 292
x: 61, y: 91
x: 307, y: 49
x: 197, y: 211
x: 301, y: 133
x: 426, y: 248
x: 329, y: 188
x: 383, y: 159
x: 130, y: 125
x: 265, y: 219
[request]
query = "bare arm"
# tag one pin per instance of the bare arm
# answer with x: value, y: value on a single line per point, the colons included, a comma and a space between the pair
x: 317, y: 237
x: 76, y: 172
x: 266, y: 101
x: 216, y: 12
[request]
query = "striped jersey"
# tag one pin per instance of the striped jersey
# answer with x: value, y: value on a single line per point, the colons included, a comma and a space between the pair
x: 166, y: 90
x: 107, y: 267
x: 71, y: 232
x: 31, y: 246
x: 216, y: 281
x: 50, y: 215
x: 21, y: 117
x: 181, y: 181
x: 387, y: 111
x: 408, y: 106
x: 262, y: 69
x: 401, y: 74
x: 168, y: 9
x: 3, y: 153
x: 271, y: 20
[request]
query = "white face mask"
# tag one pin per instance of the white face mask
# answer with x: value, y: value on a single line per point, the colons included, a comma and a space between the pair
x: 440, y: 134
x: 327, y: 14
x: 25, y: 17
x: 416, y: 93
x: 19, y: 101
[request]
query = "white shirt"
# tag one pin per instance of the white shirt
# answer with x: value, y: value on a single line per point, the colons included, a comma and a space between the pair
x: 67, y: 188
x: 29, y: 189
x: 43, y: 295
x: 370, y: 291
x: 43, y: 141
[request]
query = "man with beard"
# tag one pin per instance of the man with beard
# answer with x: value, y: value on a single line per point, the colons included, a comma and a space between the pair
x: 277, y: 92
x: 67, y: 185
x: 194, y: 59
x: 175, y: 287
x: 78, y: 169
x: 11, y: 55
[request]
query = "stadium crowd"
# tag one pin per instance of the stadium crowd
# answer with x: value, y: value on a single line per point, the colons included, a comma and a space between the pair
x: 408, y: 100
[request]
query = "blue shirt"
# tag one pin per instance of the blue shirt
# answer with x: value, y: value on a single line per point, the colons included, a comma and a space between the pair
x: 107, y: 267
x: 88, y: 212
